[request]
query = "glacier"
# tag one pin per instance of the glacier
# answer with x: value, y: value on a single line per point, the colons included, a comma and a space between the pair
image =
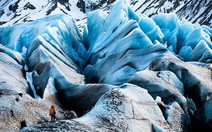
x: 112, y: 74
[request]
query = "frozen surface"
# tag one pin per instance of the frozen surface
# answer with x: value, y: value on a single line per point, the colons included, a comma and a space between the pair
x: 118, y: 66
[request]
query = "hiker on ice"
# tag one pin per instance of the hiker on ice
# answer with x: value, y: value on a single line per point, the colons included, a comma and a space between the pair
x: 52, y: 113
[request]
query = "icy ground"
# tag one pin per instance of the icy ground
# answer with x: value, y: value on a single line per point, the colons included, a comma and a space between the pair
x: 125, y: 72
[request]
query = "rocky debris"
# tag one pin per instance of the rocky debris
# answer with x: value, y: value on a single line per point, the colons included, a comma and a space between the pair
x: 13, y: 7
x: 61, y: 125
x: 14, y: 115
x: 125, y: 108
x: 14, y: 112
x: 67, y: 115
x: 29, y: 6
x: 177, y: 118
x: 81, y: 5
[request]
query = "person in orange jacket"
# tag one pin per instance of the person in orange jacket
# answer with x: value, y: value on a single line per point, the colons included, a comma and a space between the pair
x: 52, y: 113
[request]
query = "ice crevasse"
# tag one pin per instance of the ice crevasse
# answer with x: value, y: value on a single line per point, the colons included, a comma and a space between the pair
x: 114, y: 49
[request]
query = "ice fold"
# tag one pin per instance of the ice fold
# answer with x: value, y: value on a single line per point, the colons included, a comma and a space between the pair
x: 119, y: 53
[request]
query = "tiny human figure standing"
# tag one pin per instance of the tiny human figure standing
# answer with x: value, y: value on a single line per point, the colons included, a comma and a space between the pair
x: 52, y: 113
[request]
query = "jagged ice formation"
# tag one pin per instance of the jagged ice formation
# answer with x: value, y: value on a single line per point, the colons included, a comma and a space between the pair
x: 126, y: 72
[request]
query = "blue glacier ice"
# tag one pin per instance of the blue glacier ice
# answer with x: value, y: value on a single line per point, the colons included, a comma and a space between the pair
x: 101, y: 28
x: 50, y: 47
x: 168, y: 57
x: 59, y: 29
x: 120, y: 44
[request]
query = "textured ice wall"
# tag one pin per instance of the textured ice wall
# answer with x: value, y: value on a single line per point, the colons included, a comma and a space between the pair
x: 117, y: 48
